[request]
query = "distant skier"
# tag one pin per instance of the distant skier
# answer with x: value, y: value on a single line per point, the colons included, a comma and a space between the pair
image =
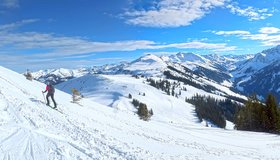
x: 51, y: 90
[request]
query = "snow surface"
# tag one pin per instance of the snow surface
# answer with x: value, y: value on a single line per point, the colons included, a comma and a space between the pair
x: 147, y: 65
x: 192, y: 61
x: 226, y: 83
x: 190, y: 57
x: 259, y: 61
x: 31, y: 130
x: 113, y: 90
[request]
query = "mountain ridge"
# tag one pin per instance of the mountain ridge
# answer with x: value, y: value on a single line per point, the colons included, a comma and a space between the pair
x: 235, y: 70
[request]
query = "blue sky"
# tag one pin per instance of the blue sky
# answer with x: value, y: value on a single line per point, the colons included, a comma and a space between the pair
x: 40, y: 34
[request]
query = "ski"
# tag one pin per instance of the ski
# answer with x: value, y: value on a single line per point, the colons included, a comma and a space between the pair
x: 54, y: 108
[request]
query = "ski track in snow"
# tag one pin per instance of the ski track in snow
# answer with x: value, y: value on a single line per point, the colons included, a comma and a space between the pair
x: 31, y: 130
x: 26, y: 130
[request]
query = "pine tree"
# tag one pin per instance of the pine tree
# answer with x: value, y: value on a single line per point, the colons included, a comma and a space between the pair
x: 258, y: 117
x: 135, y: 102
x: 251, y: 117
x: 208, y: 108
x: 168, y: 91
x: 151, y: 112
x: 143, y: 111
x: 272, y: 114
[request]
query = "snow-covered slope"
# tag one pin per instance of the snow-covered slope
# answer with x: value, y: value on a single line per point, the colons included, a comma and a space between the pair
x: 113, y: 90
x: 192, y: 61
x: 213, y: 67
x: 206, y: 76
x: 227, y: 61
x: 191, y: 57
x: 148, y: 65
x: 262, y: 82
x: 241, y: 72
x: 259, y: 74
x: 259, y: 61
x: 31, y: 130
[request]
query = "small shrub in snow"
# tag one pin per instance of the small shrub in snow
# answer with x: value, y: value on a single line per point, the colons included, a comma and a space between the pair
x: 28, y: 75
x: 76, y: 95
x: 136, y: 76
x: 151, y: 112
x: 135, y: 102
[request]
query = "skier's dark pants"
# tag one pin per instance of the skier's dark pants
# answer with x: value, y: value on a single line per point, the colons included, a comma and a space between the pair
x: 50, y: 94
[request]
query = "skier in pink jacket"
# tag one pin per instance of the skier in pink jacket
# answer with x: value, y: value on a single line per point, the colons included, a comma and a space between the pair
x: 50, y: 89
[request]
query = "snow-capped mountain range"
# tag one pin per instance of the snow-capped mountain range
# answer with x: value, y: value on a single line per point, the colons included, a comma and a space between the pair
x: 103, y: 125
x: 59, y: 75
x: 259, y: 74
x: 243, y: 73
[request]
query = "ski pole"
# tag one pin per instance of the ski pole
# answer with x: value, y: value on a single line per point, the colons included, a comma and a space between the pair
x: 44, y: 97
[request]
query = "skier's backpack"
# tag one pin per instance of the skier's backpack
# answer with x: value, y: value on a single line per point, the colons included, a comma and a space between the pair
x: 51, y: 89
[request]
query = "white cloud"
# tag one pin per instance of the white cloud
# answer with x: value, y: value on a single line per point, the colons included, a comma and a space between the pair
x: 58, y: 49
x: 172, y: 13
x: 160, y: 53
x: 265, y: 39
x: 236, y: 32
x: 60, y: 46
x: 47, y: 48
x: 201, y: 45
x: 269, y: 30
x: 250, y: 12
x: 268, y: 36
x: 9, y: 3
x: 176, y: 13
x: 16, y: 25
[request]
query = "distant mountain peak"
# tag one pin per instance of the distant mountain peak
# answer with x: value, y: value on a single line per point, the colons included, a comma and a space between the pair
x: 264, y: 58
x: 149, y: 58
x: 187, y: 57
